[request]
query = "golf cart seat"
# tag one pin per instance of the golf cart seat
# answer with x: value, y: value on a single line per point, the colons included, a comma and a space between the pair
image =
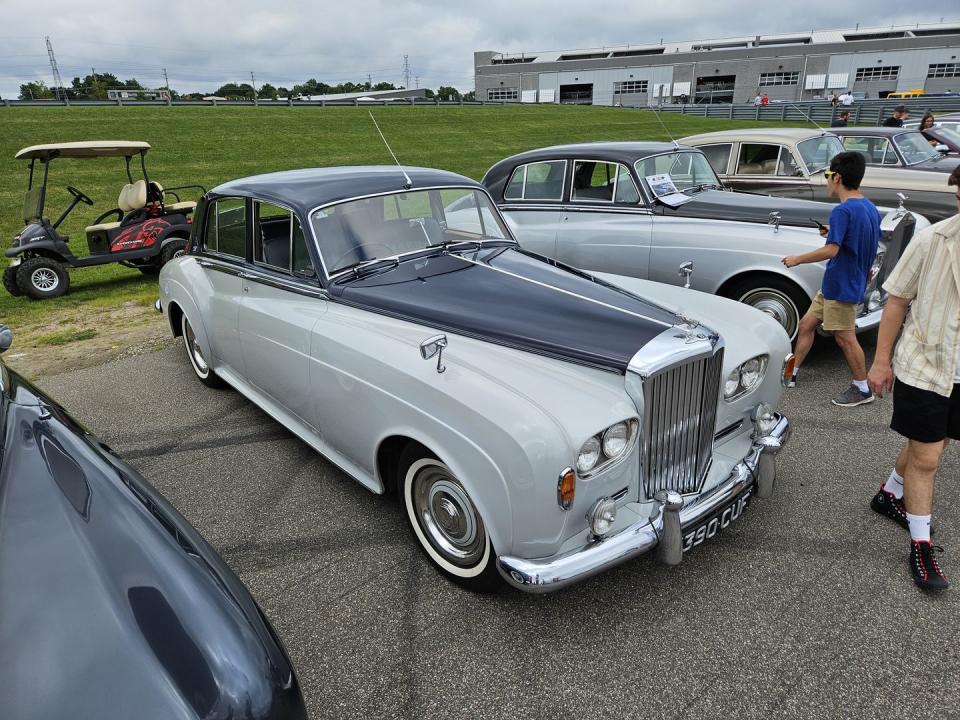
x: 132, y: 197
x: 174, y: 207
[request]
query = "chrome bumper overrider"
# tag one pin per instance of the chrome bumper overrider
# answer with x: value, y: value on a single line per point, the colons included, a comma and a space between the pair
x: 661, y: 531
x: 867, y: 321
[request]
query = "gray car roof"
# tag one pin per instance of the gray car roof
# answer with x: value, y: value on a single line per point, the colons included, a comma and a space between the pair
x: 778, y: 134
x: 873, y: 131
x: 309, y: 188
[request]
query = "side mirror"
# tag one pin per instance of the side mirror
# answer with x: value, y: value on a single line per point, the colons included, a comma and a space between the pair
x: 6, y: 338
x: 941, y: 148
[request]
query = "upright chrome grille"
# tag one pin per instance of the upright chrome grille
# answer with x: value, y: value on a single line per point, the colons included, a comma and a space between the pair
x: 680, y: 416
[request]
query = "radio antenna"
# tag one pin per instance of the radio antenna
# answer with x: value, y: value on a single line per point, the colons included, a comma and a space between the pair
x: 656, y: 112
x: 809, y: 119
x: 408, y: 183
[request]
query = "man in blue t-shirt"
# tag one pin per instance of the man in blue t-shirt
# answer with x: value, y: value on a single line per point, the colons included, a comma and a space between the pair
x: 852, y: 239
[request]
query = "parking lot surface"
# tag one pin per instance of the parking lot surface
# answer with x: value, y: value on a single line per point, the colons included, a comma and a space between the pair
x: 803, y: 608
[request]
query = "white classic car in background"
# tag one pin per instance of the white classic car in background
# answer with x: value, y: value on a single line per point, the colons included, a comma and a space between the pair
x: 538, y: 424
x: 599, y: 207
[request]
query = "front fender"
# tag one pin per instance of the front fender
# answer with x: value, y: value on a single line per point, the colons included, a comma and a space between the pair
x: 45, y: 245
x: 174, y: 291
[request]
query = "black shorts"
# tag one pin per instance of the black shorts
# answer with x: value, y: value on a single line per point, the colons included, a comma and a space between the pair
x: 923, y: 415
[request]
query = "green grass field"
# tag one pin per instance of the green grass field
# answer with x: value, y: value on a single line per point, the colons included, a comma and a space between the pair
x: 208, y: 145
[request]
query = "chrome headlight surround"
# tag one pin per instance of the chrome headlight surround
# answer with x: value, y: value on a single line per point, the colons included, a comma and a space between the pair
x: 745, y: 378
x: 604, y: 449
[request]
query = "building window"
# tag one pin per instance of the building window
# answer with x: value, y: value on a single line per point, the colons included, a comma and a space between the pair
x: 889, y: 72
x: 944, y: 70
x: 779, y: 78
x: 503, y: 93
x: 630, y: 86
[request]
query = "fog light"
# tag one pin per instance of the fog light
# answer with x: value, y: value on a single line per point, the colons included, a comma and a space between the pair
x: 764, y: 418
x: 874, y: 301
x: 602, y: 515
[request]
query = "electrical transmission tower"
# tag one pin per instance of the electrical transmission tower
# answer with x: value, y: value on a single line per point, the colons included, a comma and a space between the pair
x: 57, y: 80
x: 406, y: 72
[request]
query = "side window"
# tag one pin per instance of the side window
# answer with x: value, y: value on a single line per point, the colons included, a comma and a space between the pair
x: 226, y: 230
x: 889, y: 154
x: 872, y: 148
x: 278, y: 240
x: 537, y: 181
x: 788, y: 166
x: 602, y: 182
x: 718, y: 156
x: 758, y: 159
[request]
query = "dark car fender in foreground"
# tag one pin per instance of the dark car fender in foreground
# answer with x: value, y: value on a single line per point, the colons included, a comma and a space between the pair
x: 111, y: 604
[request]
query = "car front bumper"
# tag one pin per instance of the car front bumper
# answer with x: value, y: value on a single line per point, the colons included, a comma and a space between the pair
x: 663, y: 530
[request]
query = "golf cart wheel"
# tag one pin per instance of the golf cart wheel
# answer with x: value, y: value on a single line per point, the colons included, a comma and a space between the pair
x: 10, y: 282
x: 41, y: 278
x: 198, y: 360
x: 173, y: 249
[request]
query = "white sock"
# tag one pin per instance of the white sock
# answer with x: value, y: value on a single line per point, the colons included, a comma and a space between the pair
x: 862, y: 386
x: 919, y: 527
x: 894, y: 485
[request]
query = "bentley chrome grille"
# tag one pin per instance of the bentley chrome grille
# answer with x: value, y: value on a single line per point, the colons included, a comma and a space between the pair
x: 679, y: 423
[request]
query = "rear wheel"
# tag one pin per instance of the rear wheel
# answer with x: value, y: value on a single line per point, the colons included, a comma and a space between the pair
x: 173, y: 249
x: 780, y: 299
x: 41, y: 278
x: 445, y: 522
x: 10, y: 281
x: 198, y: 361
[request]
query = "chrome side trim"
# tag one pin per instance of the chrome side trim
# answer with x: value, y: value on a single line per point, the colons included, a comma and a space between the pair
x: 542, y: 575
x: 220, y: 266
x: 245, y: 272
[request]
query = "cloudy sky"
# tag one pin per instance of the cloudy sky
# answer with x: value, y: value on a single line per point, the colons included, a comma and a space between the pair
x: 205, y: 43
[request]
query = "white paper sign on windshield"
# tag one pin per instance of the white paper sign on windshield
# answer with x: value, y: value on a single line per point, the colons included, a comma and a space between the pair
x: 664, y: 190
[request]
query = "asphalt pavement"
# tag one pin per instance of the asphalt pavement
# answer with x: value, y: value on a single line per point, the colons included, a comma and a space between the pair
x: 804, y: 608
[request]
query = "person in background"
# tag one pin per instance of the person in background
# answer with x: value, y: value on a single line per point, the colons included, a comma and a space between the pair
x: 843, y: 119
x: 900, y: 113
x: 765, y: 100
x: 834, y: 100
x: 847, y: 98
x: 852, y: 239
x: 923, y: 302
x: 757, y: 100
x: 926, y: 123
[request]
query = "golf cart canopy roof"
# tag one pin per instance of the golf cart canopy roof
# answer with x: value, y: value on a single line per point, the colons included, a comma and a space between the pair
x: 87, y: 149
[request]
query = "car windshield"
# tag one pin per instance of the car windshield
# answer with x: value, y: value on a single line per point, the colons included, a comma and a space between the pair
x: 358, y: 232
x: 687, y: 169
x: 915, y: 148
x: 819, y: 151
x: 949, y: 134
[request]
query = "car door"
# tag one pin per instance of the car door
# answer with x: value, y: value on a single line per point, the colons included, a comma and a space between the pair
x: 282, y: 301
x: 604, y: 227
x: 222, y: 258
x: 531, y: 204
x: 769, y: 168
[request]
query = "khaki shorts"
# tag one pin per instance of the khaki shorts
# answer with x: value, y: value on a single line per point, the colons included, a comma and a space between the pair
x: 834, y: 315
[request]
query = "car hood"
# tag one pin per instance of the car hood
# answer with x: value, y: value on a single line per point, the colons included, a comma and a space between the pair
x: 518, y: 299
x: 750, y: 207
x: 111, y: 605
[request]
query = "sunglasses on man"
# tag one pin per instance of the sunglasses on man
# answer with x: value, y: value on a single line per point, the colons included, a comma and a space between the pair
x: 829, y: 173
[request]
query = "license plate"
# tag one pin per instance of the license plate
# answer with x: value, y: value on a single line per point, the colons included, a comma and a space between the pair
x: 716, y: 521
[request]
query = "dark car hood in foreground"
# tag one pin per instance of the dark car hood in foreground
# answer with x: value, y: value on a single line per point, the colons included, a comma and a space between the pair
x: 514, y: 298
x: 111, y: 605
x: 750, y: 207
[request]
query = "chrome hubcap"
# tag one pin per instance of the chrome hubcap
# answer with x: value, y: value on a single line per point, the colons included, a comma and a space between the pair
x: 44, y: 279
x: 448, y: 517
x: 776, y: 305
x: 193, y: 347
x: 178, y: 253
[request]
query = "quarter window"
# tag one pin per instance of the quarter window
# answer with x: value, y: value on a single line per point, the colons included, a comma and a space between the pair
x: 718, y: 156
x: 537, y: 181
x: 278, y: 240
x: 226, y: 231
x: 602, y: 182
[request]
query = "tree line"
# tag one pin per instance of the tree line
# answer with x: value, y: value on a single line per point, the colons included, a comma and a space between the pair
x: 96, y: 85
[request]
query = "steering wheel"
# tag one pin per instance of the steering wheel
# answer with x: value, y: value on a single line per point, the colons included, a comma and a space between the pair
x: 79, y: 195
x: 363, y: 246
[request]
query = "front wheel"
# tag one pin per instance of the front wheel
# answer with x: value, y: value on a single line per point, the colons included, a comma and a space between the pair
x: 779, y: 299
x: 10, y: 281
x: 198, y: 362
x: 445, y: 522
x: 41, y: 278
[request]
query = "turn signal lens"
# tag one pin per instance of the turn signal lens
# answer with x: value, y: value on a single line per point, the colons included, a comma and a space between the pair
x: 566, y: 488
x: 789, y: 363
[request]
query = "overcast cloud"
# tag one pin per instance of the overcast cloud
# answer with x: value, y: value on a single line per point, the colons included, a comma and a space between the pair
x: 205, y: 44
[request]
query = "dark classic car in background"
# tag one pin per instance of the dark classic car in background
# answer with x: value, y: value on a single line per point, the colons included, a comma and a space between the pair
x: 895, y: 147
x: 789, y: 162
x: 592, y: 206
x: 111, y: 604
x: 945, y: 130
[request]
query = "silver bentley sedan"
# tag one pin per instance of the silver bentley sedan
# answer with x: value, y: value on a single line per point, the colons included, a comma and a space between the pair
x: 536, y: 423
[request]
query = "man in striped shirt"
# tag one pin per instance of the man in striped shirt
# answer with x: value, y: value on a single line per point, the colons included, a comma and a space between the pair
x: 925, y: 379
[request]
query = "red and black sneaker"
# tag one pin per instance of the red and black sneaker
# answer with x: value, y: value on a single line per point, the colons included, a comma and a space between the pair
x: 924, y: 566
x: 886, y: 504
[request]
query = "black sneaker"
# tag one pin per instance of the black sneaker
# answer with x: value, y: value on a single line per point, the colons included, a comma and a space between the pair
x: 852, y: 396
x: 923, y: 564
x: 889, y: 506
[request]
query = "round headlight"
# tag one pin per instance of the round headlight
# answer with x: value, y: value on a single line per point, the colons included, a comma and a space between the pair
x: 602, y: 515
x: 750, y: 373
x: 732, y: 383
x: 615, y: 440
x: 589, y: 455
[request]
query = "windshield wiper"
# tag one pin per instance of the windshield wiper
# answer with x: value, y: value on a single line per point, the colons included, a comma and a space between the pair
x: 704, y: 186
x: 371, y: 264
